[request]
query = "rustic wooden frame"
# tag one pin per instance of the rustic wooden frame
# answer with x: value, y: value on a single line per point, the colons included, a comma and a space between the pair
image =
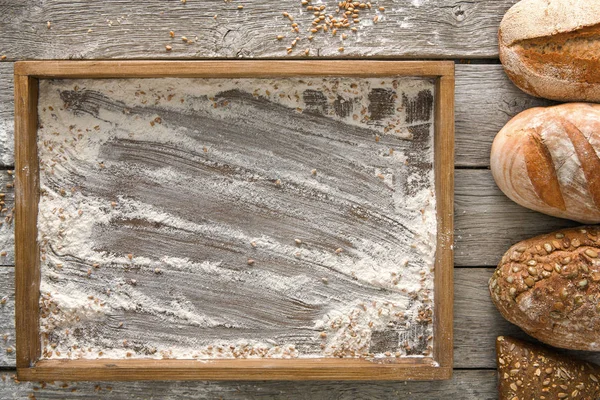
x: 27, y: 257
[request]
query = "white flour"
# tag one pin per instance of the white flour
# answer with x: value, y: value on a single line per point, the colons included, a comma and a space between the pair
x: 68, y: 219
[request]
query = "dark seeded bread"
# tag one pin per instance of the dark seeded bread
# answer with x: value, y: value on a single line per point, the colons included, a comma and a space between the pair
x: 550, y: 287
x: 527, y: 372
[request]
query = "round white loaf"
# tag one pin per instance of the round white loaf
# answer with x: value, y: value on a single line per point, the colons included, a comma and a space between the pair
x: 551, y: 48
x: 548, y: 160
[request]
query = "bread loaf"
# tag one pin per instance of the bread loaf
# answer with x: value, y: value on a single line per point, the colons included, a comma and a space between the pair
x: 550, y: 287
x: 548, y: 159
x: 527, y: 372
x: 551, y: 48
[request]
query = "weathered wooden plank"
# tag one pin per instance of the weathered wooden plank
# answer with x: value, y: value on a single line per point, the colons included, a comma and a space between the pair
x: 488, y: 222
x: 235, y: 69
x: 111, y: 29
x: 7, y: 317
x: 6, y: 113
x: 444, y: 278
x: 477, y: 321
x: 485, y: 101
x: 7, y: 198
x: 27, y: 252
x: 479, y: 385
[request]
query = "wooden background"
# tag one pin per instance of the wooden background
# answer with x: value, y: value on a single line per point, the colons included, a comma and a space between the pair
x: 486, y: 221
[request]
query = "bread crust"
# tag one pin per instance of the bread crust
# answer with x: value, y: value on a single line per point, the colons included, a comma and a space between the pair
x: 551, y: 48
x: 550, y: 287
x: 527, y: 371
x: 531, y: 19
x: 548, y: 160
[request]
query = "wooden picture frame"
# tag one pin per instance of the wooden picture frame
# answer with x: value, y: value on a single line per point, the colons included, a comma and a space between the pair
x: 27, y: 257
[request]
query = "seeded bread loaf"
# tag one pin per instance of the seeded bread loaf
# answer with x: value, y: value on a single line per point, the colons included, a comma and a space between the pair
x: 548, y: 159
x: 550, y: 287
x: 526, y: 372
x: 551, y: 48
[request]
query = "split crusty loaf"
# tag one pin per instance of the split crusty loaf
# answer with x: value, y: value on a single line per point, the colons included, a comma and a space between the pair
x: 550, y: 287
x: 548, y: 159
x: 527, y: 371
x: 551, y: 48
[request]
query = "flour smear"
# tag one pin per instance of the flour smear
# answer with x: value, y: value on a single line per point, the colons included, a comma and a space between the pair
x: 97, y: 301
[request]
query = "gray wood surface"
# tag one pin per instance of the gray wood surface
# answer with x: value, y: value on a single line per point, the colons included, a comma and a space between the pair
x: 7, y: 317
x: 7, y: 107
x: 485, y: 101
x: 7, y: 239
x: 480, y: 385
x: 477, y: 322
x: 487, y: 222
x: 103, y: 29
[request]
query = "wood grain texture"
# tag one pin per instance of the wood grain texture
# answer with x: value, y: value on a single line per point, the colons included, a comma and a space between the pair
x: 6, y: 114
x: 113, y: 29
x: 488, y: 222
x: 485, y: 101
x: 479, y: 385
x: 444, y: 187
x: 316, y: 369
x: 27, y: 255
x: 7, y: 317
x: 230, y: 69
x: 7, y: 204
x: 478, y: 323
